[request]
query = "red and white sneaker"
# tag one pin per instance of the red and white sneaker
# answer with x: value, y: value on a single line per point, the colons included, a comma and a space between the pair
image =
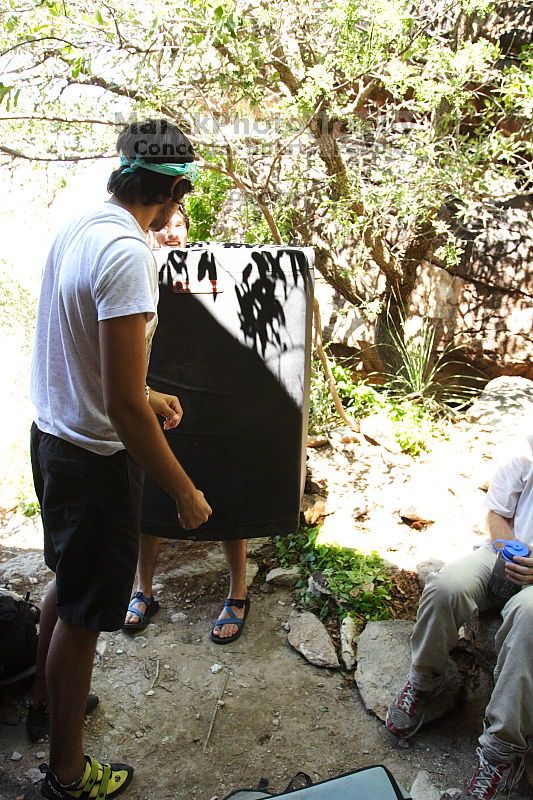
x: 488, y: 778
x: 406, y: 715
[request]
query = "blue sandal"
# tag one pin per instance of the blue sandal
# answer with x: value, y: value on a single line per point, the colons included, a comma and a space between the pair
x: 152, y: 607
x: 231, y: 620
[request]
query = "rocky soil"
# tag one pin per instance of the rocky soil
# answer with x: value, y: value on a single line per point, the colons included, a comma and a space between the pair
x: 198, y: 720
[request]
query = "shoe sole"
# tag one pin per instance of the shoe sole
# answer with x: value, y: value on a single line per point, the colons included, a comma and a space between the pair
x: 399, y: 733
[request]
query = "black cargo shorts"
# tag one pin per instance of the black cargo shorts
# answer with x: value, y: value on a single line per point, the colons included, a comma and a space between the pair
x: 91, y: 511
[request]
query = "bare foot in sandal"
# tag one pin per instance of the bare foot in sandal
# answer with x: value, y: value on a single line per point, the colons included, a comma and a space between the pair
x: 235, y: 611
x: 140, y: 612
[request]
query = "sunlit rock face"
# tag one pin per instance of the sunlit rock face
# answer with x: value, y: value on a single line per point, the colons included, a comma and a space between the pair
x: 486, y: 301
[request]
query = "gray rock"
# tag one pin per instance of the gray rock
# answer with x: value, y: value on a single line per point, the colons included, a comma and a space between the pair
x: 283, y: 577
x: 349, y: 634
x: 251, y: 571
x: 425, y: 568
x: 34, y: 775
x: 503, y: 403
x: 425, y: 500
x: 18, y: 571
x: 206, y: 564
x: 313, y: 508
x: 423, y: 788
x: 310, y: 638
x: 383, y: 660
x: 379, y: 428
x: 179, y: 616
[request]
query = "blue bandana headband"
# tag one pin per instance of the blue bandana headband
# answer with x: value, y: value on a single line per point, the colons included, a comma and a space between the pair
x: 190, y: 170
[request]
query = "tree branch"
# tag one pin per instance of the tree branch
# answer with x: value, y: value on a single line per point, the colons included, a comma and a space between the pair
x: 37, y: 118
x: 41, y: 39
x: 17, y: 154
x: 332, y: 386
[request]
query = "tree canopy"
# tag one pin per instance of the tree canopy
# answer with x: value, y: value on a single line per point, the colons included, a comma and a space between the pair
x: 365, y: 128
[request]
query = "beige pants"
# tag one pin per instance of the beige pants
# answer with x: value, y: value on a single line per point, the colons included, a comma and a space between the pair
x: 450, y: 599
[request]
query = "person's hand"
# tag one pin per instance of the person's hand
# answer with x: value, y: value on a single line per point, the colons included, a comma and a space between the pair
x: 193, y: 509
x: 167, y: 406
x: 520, y: 570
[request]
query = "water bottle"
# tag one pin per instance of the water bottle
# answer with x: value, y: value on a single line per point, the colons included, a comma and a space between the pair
x: 500, y: 587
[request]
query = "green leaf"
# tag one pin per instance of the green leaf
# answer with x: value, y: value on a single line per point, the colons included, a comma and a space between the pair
x: 4, y: 91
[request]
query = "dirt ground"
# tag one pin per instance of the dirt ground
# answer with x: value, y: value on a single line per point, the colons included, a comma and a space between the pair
x: 275, y: 713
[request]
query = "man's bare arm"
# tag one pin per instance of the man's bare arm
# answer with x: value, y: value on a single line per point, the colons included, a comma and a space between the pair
x: 499, y: 527
x: 123, y: 359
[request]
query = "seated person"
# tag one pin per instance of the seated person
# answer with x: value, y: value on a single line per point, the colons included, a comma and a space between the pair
x: 450, y: 599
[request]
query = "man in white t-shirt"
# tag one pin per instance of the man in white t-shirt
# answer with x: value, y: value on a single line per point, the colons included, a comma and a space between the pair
x: 450, y: 599
x: 95, y: 432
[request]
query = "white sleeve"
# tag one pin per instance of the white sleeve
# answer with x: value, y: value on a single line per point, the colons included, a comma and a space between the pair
x: 506, y: 487
x: 125, y: 280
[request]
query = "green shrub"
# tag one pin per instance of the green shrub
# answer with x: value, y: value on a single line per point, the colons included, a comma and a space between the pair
x: 358, y: 398
x: 439, y: 381
x: 416, y: 428
x: 416, y: 424
x: 205, y: 204
x: 354, y: 583
x: 30, y: 508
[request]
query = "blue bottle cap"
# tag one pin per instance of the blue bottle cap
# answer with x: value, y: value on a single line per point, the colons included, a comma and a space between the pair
x: 514, y: 548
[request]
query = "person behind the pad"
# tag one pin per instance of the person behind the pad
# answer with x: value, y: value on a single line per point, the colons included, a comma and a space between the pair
x: 451, y: 598
x: 143, y: 605
x: 94, y: 432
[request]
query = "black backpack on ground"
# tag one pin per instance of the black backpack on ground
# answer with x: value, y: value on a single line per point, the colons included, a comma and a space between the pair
x: 369, y: 783
x: 18, y: 635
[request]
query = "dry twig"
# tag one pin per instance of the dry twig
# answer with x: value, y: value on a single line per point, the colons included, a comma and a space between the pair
x: 217, y: 706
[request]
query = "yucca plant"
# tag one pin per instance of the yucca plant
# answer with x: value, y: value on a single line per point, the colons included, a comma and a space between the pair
x: 439, y: 381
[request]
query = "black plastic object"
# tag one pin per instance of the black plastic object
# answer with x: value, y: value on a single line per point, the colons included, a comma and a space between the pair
x: 234, y: 344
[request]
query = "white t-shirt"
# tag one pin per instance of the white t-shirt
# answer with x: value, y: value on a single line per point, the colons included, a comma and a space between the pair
x: 511, y: 491
x: 99, y: 267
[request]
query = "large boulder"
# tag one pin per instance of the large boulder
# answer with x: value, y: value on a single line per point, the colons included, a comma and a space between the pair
x: 504, y: 402
x: 383, y: 660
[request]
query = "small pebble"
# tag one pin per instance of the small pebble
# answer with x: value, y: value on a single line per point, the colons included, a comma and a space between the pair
x: 179, y: 616
x: 34, y: 774
x: 216, y: 668
x: 150, y: 693
x: 167, y: 666
x: 139, y: 734
x: 40, y: 754
x: 120, y: 651
x: 15, y: 756
x: 404, y: 744
x: 275, y: 721
x: 165, y: 740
